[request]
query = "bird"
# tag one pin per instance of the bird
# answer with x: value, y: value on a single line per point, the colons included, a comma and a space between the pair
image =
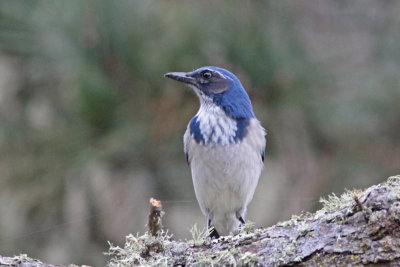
x: 224, y: 145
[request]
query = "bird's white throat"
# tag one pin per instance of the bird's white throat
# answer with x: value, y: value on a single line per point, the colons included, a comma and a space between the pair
x: 215, y: 126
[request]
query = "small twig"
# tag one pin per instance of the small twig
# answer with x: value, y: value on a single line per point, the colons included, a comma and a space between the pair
x: 359, y: 205
x: 155, y: 223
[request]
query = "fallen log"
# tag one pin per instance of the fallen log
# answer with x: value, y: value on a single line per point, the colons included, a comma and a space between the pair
x: 358, y: 228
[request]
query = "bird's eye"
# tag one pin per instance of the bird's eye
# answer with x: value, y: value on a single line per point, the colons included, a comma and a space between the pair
x: 207, y: 75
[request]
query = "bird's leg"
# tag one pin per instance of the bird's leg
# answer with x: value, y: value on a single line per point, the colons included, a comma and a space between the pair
x: 240, y: 215
x: 213, y: 233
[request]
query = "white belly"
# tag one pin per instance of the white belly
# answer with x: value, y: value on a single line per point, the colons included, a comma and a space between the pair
x: 225, y: 177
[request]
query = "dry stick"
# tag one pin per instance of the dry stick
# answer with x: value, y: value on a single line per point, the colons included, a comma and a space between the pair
x: 359, y: 205
x: 155, y: 223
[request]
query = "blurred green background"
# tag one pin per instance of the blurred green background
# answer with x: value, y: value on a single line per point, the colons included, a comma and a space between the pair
x: 90, y: 129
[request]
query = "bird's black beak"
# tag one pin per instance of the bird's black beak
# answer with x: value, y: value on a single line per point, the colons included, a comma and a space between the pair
x: 181, y: 77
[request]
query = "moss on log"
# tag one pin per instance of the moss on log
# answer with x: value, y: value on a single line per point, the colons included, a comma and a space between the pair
x: 359, y: 228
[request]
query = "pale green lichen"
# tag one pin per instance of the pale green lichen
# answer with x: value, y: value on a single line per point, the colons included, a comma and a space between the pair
x: 248, y: 259
x: 298, y: 259
x: 248, y: 227
x: 302, y: 228
x: 290, y: 249
x: 333, y: 203
x: 394, y: 194
x: 295, y: 219
x: 199, y: 235
x: 394, y: 180
x: 214, y: 258
x: 145, y: 250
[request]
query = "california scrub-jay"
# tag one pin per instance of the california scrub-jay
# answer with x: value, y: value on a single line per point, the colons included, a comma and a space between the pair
x: 224, y: 145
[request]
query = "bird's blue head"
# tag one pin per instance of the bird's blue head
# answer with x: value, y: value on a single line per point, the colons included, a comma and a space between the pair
x: 217, y: 86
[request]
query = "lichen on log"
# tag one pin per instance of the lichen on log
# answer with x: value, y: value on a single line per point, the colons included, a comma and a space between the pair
x: 24, y: 261
x: 359, y: 228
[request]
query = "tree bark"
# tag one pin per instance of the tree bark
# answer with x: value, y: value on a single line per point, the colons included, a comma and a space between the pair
x: 360, y: 228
